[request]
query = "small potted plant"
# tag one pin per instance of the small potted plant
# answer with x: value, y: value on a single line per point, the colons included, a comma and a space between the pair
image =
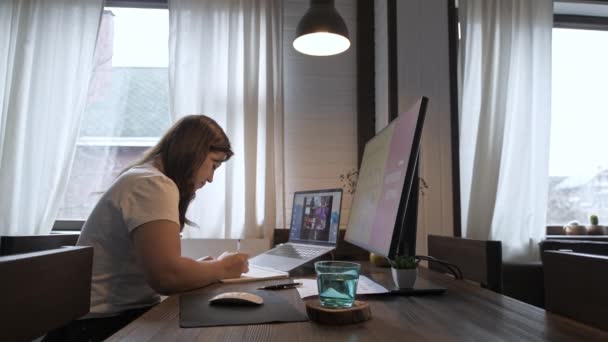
x: 594, y: 228
x: 404, y: 270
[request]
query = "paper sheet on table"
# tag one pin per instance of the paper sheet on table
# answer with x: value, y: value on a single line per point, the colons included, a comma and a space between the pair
x: 364, y: 286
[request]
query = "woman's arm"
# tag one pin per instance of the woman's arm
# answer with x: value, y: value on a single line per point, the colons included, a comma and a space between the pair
x: 158, y: 251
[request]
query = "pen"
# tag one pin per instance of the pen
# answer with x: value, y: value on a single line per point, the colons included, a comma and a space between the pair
x: 280, y: 286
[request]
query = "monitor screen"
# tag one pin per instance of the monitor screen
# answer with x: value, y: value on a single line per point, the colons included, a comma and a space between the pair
x: 315, y: 216
x: 378, y: 208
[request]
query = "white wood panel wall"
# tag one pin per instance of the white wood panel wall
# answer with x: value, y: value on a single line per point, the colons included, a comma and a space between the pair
x: 381, y: 64
x: 320, y: 111
x: 423, y: 65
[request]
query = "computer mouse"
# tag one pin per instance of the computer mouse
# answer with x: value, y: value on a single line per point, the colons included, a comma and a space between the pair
x: 237, y: 298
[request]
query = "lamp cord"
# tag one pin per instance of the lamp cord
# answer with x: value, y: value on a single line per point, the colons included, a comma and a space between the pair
x: 455, y: 270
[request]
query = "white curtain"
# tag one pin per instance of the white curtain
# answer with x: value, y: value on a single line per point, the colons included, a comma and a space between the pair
x: 225, y: 62
x: 46, y: 61
x: 505, y: 121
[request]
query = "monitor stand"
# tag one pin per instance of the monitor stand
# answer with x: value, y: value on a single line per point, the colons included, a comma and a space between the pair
x: 421, y: 287
x: 407, y: 237
x: 308, y: 268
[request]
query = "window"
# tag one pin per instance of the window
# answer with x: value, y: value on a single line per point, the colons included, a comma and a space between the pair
x: 578, y: 169
x: 127, y: 107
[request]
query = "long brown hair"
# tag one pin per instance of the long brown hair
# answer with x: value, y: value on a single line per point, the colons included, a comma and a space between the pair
x: 183, y: 149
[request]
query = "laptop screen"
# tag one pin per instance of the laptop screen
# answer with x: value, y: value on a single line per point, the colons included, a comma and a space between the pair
x: 315, y: 216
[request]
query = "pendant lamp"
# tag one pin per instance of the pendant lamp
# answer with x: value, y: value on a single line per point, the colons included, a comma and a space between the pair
x: 321, y: 31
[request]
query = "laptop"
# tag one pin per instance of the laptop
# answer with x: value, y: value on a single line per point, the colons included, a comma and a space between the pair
x: 315, y: 225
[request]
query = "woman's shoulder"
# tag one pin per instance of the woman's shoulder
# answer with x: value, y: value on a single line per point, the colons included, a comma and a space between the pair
x: 144, y: 175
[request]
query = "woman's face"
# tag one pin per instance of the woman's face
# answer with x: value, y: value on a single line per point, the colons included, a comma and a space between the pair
x: 205, y: 173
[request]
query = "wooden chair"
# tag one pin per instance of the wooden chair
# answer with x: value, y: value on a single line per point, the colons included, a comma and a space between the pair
x: 479, y: 261
x: 42, y: 291
x: 10, y: 245
x: 575, y: 286
x: 524, y: 281
x: 576, y: 246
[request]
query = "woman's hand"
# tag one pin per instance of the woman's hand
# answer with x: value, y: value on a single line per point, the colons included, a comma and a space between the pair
x: 234, y: 264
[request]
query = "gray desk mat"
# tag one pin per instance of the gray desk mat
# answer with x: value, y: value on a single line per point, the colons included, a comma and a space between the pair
x: 195, y: 311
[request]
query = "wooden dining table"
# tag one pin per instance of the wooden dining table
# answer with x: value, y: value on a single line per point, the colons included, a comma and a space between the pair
x: 465, y: 312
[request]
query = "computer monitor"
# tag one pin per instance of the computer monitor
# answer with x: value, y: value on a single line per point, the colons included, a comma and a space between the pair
x: 384, y: 208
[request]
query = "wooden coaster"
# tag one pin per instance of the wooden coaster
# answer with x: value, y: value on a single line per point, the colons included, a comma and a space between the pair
x: 359, y: 312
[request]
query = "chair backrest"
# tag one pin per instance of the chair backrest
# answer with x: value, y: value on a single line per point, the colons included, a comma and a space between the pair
x: 575, y: 286
x: 576, y: 246
x: 10, y: 245
x: 42, y: 291
x: 480, y: 261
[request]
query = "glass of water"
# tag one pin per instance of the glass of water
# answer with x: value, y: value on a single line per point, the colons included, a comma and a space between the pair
x: 337, y: 283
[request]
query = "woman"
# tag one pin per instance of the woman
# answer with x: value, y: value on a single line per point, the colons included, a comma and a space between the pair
x: 135, y: 230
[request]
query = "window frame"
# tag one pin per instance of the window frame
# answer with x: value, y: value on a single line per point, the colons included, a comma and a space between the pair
x: 577, y: 22
x: 144, y: 4
x: 62, y: 225
x: 580, y: 22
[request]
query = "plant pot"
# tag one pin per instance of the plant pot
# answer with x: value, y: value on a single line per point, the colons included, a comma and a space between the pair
x: 404, y: 278
x: 575, y: 230
x: 594, y: 229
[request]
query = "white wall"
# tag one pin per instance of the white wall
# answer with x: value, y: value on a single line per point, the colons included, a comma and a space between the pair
x: 423, y: 65
x: 320, y: 111
x: 381, y: 64
x: 198, y: 248
x: 320, y: 106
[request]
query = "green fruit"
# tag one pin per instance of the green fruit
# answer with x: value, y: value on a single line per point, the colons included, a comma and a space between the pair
x: 378, y: 260
x: 593, y: 220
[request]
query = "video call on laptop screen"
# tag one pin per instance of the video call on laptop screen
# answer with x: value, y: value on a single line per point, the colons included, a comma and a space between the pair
x: 316, y: 216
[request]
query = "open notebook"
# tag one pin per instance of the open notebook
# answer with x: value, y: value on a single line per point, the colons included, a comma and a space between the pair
x: 257, y: 273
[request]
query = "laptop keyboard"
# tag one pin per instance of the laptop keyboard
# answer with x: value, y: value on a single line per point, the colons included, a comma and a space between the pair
x: 296, y: 252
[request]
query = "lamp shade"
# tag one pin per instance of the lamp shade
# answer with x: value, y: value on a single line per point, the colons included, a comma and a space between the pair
x: 321, y: 31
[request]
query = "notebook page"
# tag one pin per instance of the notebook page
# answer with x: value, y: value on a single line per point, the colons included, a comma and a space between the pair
x: 257, y: 273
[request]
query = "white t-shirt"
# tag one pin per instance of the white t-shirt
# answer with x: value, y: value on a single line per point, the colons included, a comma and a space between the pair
x: 140, y: 195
